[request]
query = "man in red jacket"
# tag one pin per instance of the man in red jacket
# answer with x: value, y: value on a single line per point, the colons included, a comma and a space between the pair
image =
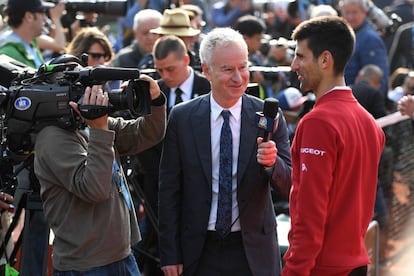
x: 335, y: 156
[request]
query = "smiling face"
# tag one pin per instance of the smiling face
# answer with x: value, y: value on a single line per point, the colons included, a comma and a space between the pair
x: 228, y: 73
x: 306, y: 67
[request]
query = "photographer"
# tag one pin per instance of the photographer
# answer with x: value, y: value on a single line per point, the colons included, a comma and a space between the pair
x: 26, y: 19
x: 84, y: 193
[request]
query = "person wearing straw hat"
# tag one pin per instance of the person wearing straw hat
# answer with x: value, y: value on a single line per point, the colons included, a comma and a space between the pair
x: 177, y: 22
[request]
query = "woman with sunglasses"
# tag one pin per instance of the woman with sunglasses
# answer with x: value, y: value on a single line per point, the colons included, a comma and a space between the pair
x: 94, y: 43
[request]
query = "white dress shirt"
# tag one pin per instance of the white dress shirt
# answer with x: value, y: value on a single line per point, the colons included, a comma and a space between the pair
x: 186, y: 87
x: 216, y: 123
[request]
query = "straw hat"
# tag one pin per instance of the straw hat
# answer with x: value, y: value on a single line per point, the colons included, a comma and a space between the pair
x: 175, y: 22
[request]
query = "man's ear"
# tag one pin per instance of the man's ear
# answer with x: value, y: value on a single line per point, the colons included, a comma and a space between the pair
x: 326, y: 58
x: 28, y: 16
x: 187, y: 59
x: 206, y: 71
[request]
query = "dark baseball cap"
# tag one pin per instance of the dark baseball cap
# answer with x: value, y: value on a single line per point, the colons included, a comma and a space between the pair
x: 29, y: 5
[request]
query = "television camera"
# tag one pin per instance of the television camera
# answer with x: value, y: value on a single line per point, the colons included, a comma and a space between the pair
x: 37, y: 99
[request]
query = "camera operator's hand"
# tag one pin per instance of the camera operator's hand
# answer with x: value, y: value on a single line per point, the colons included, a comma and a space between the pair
x: 94, y: 96
x: 5, y: 200
x: 154, y: 88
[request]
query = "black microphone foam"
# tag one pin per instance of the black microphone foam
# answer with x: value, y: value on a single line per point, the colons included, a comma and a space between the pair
x: 114, y: 73
x: 268, y: 119
x: 271, y: 107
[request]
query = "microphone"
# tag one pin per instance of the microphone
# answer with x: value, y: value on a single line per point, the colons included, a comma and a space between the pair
x: 269, y: 118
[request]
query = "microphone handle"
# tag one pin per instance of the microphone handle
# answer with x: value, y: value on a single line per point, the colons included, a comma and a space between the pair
x: 268, y: 134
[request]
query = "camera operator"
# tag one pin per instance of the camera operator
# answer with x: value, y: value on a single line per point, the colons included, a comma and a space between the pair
x: 84, y: 191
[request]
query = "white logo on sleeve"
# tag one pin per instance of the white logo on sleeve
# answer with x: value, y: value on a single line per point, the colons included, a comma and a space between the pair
x: 304, y: 169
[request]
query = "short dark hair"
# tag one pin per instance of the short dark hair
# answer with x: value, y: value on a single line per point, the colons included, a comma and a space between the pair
x: 15, y: 10
x: 328, y: 33
x: 13, y: 18
x: 250, y: 25
x: 169, y: 44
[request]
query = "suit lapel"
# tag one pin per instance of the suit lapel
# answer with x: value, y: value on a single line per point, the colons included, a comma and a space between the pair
x: 164, y: 88
x: 248, y: 135
x: 200, y: 125
x: 201, y: 86
x: 194, y: 91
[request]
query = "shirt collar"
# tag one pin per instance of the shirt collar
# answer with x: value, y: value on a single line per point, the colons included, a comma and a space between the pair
x: 187, y: 85
x: 216, y: 109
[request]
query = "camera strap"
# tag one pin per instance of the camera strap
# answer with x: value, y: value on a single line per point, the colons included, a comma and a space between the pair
x: 117, y: 175
x: 118, y: 178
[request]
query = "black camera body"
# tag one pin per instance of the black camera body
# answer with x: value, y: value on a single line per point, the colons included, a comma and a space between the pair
x: 31, y: 103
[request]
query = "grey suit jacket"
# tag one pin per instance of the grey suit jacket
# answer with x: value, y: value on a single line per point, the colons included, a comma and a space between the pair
x: 185, y: 187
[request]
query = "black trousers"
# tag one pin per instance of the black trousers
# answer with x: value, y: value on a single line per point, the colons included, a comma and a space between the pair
x: 223, y: 256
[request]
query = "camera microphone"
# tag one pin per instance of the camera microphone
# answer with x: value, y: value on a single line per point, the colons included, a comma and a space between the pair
x: 269, y: 118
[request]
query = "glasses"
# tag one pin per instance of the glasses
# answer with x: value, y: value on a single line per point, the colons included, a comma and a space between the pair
x: 97, y: 56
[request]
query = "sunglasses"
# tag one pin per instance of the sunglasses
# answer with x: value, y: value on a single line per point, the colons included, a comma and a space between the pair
x: 97, y: 56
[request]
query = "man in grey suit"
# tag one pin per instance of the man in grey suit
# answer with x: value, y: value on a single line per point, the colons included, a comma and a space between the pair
x: 195, y: 237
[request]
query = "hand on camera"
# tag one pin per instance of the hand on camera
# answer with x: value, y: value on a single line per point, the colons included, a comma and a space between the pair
x: 94, y: 96
x: 154, y: 88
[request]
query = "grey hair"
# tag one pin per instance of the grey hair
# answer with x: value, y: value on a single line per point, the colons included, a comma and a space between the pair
x: 322, y: 10
x: 371, y: 70
x: 365, y: 4
x: 219, y: 37
x: 146, y: 14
